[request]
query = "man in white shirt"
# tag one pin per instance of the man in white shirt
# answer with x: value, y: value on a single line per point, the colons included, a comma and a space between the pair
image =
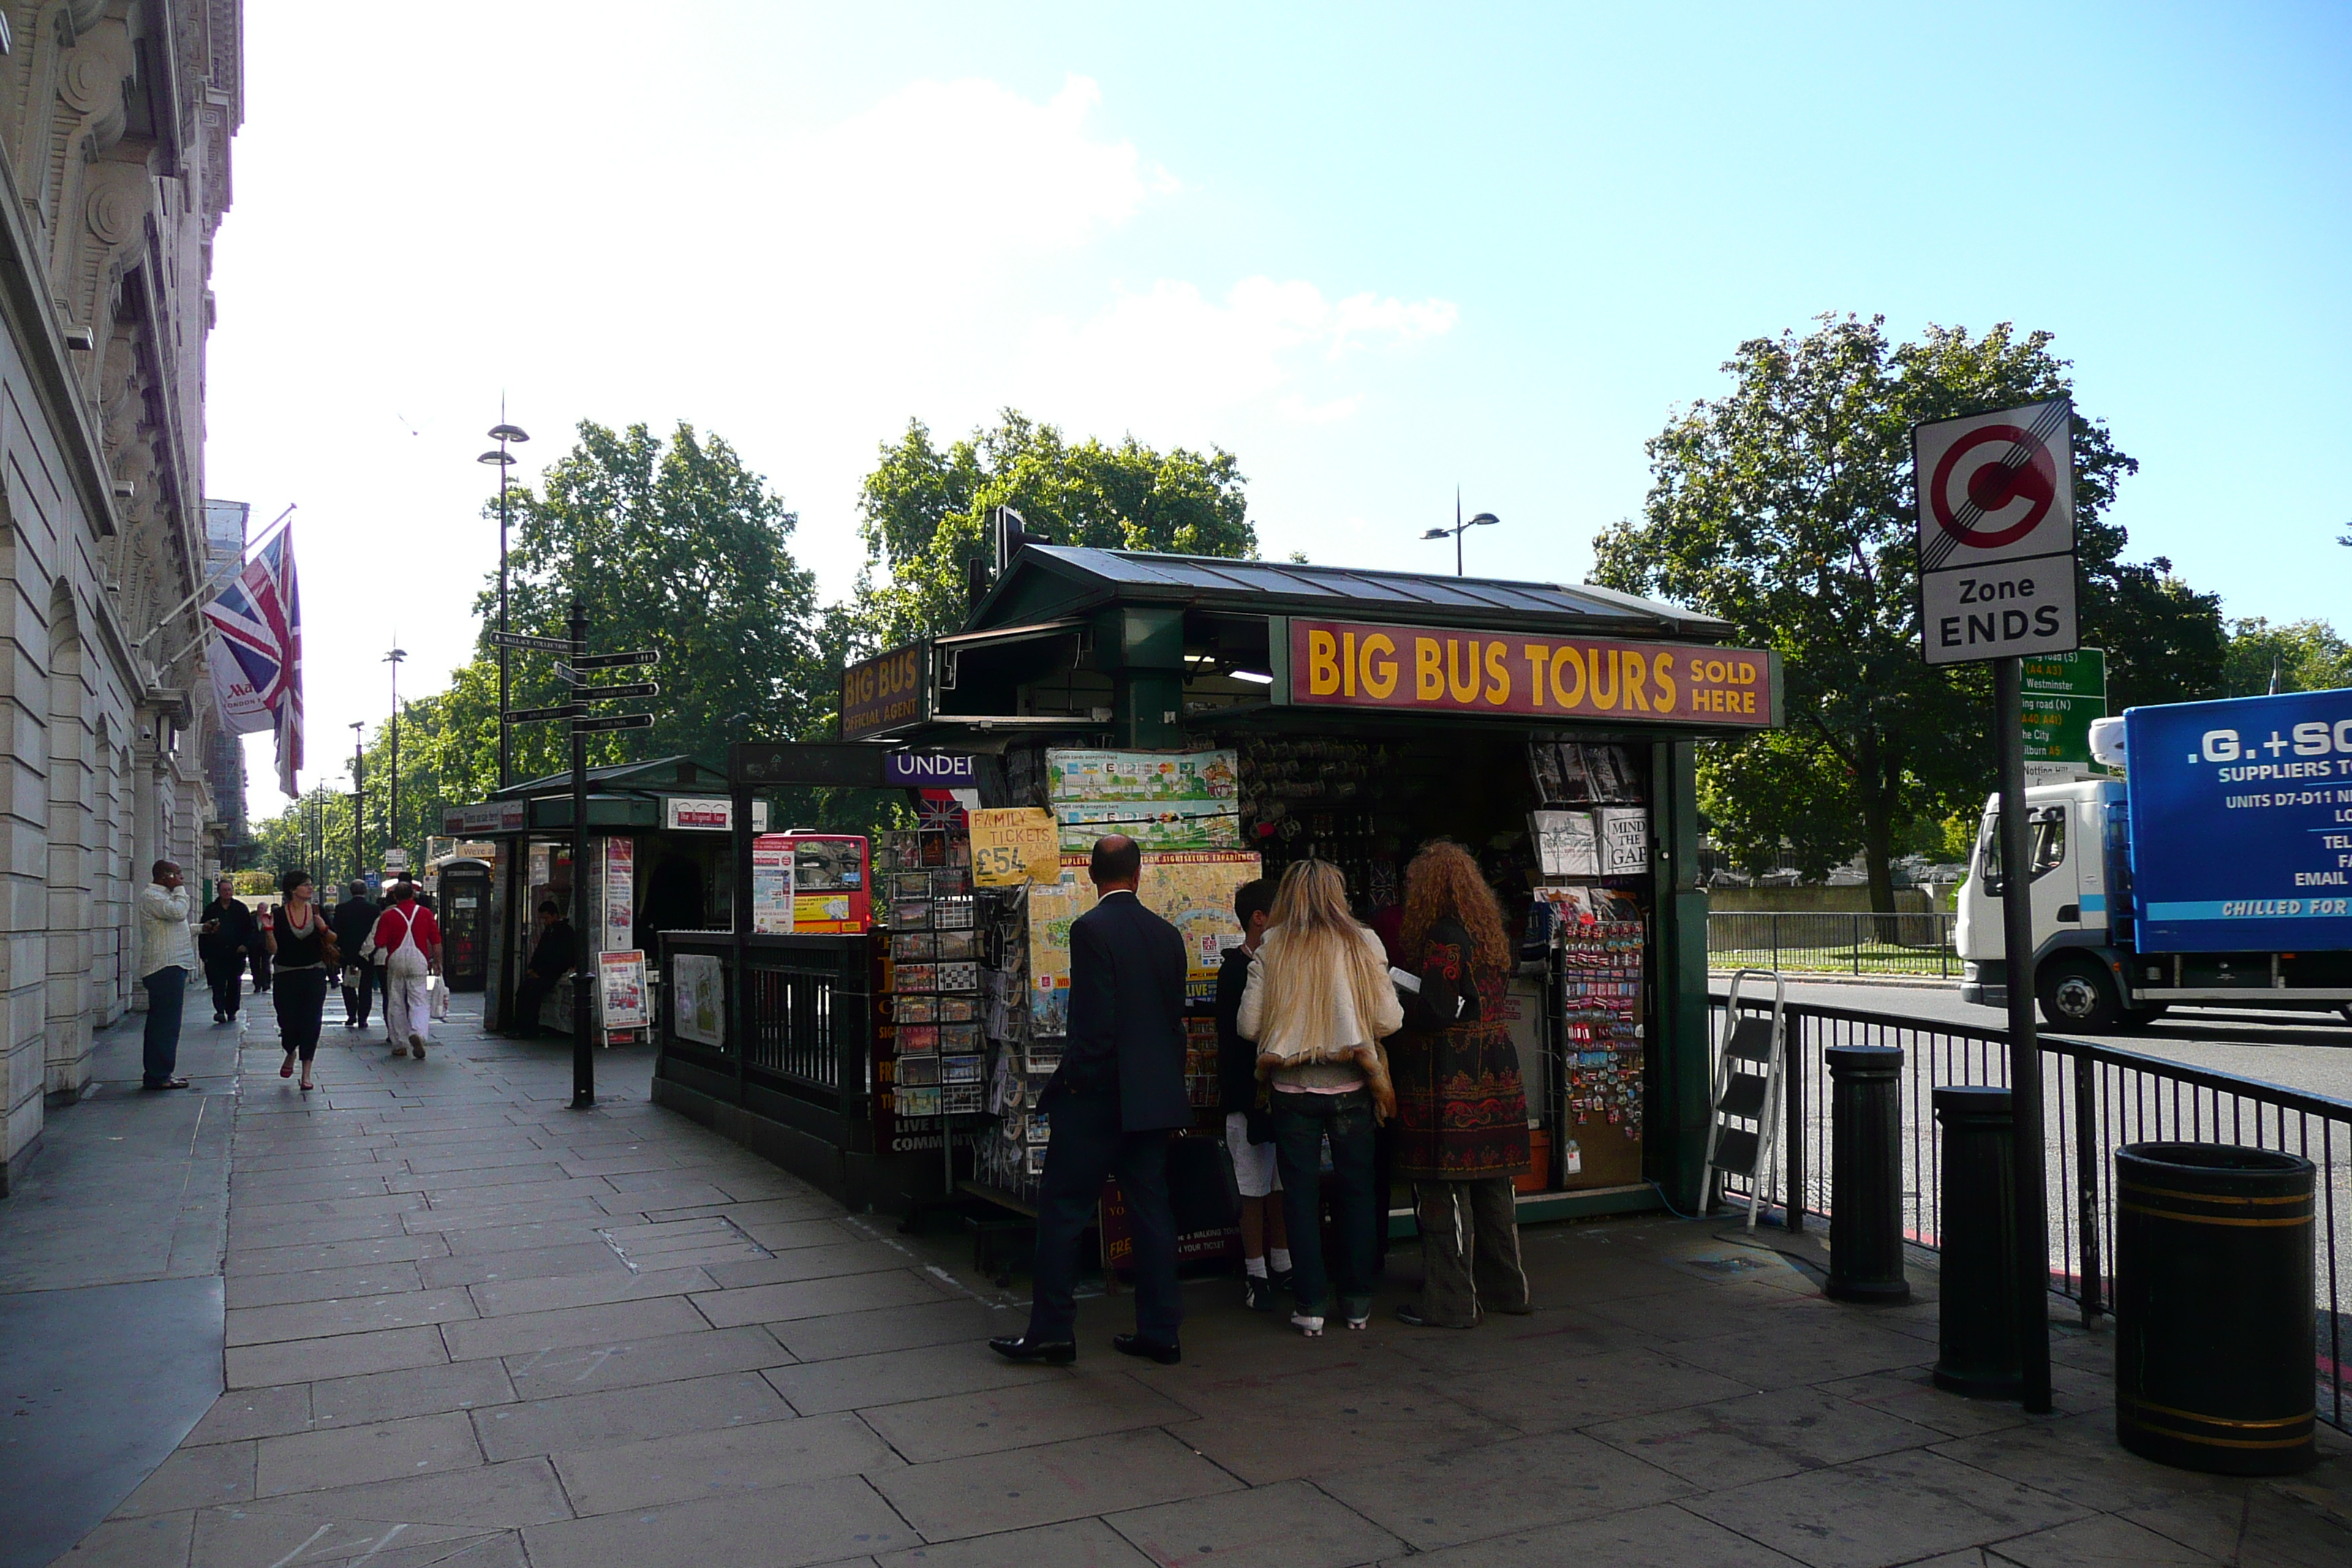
x: 166, y: 954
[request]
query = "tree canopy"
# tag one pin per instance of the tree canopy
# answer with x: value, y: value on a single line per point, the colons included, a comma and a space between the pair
x: 2306, y: 655
x: 1786, y: 507
x: 924, y: 510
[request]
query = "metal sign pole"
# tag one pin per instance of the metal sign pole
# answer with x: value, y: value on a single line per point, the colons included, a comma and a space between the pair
x: 2024, y: 1049
x: 584, y: 1055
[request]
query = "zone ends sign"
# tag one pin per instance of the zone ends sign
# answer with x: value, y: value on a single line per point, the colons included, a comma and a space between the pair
x: 1996, y: 533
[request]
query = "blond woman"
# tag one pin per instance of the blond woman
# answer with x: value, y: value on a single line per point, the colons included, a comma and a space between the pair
x: 1318, y: 1004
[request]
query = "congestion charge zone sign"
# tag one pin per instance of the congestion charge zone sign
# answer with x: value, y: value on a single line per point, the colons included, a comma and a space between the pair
x: 1451, y: 669
x: 1996, y: 537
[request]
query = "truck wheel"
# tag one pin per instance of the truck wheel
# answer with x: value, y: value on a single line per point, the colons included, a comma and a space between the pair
x: 2076, y: 994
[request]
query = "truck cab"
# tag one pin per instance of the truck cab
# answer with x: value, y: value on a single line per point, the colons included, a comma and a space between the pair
x: 2081, y: 882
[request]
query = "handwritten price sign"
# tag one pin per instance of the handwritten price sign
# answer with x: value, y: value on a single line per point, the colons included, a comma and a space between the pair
x: 1014, y: 844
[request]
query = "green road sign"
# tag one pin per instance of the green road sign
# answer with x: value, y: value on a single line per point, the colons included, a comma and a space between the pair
x: 2079, y: 674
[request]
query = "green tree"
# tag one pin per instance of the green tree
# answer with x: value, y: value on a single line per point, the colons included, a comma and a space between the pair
x: 1786, y: 507
x: 924, y: 513
x: 2306, y: 656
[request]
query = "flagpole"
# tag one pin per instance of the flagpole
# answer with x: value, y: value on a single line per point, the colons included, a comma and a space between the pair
x: 208, y: 584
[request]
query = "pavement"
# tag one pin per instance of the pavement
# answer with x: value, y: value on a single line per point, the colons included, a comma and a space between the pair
x: 465, y: 1324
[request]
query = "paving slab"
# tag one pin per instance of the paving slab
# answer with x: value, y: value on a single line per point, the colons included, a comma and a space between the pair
x: 987, y: 1493
x: 340, y: 1355
x: 345, y: 1456
x: 829, y: 1520
x: 1050, y: 1407
x: 1662, y: 1536
x: 579, y: 1422
x: 1286, y: 1525
x: 712, y: 1461
x: 637, y: 1364
x: 413, y: 1391
x: 1080, y: 1544
x: 1443, y: 1499
x: 1893, y: 1509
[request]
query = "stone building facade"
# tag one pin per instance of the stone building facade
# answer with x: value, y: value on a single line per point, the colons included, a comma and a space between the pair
x: 115, y: 122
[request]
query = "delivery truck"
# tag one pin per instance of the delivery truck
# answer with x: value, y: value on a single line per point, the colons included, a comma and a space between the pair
x: 2216, y: 871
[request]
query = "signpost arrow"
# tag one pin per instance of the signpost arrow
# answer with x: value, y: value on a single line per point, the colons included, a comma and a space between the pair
x: 540, y: 645
x: 617, y: 660
x: 629, y: 689
x: 532, y: 715
x: 614, y: 722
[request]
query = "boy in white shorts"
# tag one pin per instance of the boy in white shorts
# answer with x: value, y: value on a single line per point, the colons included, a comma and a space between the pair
x: 1249, y: 1140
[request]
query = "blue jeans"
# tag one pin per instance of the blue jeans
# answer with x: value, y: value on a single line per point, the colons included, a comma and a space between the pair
x: 1300, y: 1123
x: 167, y: 992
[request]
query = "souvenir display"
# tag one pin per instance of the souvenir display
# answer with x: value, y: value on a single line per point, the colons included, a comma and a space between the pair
x: 1598, y: 948
x: 1161, y: 800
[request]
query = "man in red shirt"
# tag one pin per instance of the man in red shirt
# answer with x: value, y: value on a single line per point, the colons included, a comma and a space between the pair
x: 409, y: 939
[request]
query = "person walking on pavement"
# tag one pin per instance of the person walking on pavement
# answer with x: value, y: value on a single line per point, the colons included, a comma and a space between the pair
x: 354, y: 922
x: 1113, y: 1101
x: 305, y: 950
x: 1462, y: 1108
x: 257, y: 945
x: 222, y: 942
x: 1249, y: 1130
x: 551, y: 958
x: 166, y: 954
x: 410, y: 940
x: 1319, y: 1003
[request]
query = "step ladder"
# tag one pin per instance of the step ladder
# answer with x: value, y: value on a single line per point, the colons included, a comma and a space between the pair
x: 1743, y: 1137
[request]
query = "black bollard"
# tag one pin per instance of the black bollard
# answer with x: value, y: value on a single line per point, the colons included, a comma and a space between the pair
x: 2214, y: 1343
x: 1976, y: 1322
x: 1866, y: 1174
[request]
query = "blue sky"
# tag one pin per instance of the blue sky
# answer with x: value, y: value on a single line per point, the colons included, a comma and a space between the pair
x: 1373, y: 250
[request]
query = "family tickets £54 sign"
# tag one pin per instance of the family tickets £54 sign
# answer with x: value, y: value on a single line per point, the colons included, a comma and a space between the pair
x: 1439, y: 669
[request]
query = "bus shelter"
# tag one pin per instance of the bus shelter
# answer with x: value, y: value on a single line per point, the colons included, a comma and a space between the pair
x: 1235, y: 717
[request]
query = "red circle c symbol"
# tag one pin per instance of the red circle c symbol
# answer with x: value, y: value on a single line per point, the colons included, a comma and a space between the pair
x: 1992, y: 487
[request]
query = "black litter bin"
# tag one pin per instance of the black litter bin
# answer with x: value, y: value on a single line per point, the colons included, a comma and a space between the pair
x: 1976, y: 1316
x: 1866, y: 1174
x: 2214, y: 1348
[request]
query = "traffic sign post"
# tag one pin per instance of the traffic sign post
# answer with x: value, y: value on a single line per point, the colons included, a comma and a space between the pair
x: 538, y: 715
x: 1996, y: 574
x: 614, y: 660
x: 537, y: 644
x: 616, y: 722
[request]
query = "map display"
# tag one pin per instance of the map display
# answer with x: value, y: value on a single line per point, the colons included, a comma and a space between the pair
x: 1191, y: 890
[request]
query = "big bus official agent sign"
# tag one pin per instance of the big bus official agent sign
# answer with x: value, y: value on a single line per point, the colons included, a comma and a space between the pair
x: 1996, y: 533
x: 1448, y: 669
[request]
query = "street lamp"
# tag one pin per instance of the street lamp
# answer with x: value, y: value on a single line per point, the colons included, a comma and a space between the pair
x: 503, y: 432
x: 1460, y: 528
x: 392, y: 814
x: 359, y: 799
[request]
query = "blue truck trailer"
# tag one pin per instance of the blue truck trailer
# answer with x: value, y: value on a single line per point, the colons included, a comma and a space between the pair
x: 2217, y: 872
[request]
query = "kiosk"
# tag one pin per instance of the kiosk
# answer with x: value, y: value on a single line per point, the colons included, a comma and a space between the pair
x: 1234, y: 717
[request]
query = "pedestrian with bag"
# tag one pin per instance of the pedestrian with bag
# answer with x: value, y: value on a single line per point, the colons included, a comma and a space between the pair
x: 1113, y: 1103
x: 222, y: 942
x: 1318, y: 1002
x: 354, y: 922
x: 166, y: 954
x: 1462, y: 1107
x: 1249, y: 1126
x: 256, y: 947
x: 410, y: 940
x: 304, y: 952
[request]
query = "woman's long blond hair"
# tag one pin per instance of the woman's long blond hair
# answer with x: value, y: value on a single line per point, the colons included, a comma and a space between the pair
x: 1319, y: 939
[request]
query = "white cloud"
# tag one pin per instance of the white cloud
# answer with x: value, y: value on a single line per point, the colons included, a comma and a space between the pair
x: 1175, y: 355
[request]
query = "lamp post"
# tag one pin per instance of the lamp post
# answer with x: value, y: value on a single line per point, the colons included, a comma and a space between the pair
x: 1459, y: 529
x: 503, y: 432
x: 359, y: 800
x: 391, y: 811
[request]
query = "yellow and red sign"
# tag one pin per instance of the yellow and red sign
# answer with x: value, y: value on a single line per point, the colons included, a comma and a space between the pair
x: 1442, y: 669
x: 884, y: 693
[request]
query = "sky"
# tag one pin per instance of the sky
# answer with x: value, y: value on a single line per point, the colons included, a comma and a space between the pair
x: 1375, y: 251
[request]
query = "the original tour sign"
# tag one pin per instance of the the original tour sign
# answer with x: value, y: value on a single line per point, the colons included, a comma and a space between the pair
x: 1443, y: 669
x: 884, y: 693
x: 1996, y: 533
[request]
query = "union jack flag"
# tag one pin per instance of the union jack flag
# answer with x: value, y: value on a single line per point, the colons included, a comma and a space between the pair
x: 259, y: 619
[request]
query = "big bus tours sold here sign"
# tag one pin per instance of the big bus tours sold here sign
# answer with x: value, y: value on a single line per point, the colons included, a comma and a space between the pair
x: 1443, y: 669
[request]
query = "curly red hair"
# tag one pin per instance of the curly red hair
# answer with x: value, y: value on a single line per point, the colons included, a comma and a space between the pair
x: 1445, y: 880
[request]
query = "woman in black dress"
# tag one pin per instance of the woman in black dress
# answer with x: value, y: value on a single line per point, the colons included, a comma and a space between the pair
x: 305, y: 954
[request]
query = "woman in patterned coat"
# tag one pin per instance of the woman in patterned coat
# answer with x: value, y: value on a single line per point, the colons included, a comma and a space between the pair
x: 1462, y: 1109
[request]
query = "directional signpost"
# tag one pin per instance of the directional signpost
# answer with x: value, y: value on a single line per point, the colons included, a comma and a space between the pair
x: 535, y: 715
x: 2062, y: 693
x: 1996, y: 495
x: 536, y: 645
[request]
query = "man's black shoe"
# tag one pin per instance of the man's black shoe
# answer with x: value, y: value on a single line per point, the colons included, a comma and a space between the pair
x: 1150, y: 1350
x: 1051, y: 1352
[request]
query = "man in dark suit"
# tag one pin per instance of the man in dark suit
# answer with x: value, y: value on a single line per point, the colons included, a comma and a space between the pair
x: 1118, y: 1094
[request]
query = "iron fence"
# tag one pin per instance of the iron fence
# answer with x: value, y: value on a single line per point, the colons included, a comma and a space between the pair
x: 1832, y: 942
x: 2096, y: 1099
x: 800, y: 1021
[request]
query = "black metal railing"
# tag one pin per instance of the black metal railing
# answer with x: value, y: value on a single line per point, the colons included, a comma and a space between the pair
x: 2096, y: 1099
x: 1832, y: 942
x: 799, y: 1021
